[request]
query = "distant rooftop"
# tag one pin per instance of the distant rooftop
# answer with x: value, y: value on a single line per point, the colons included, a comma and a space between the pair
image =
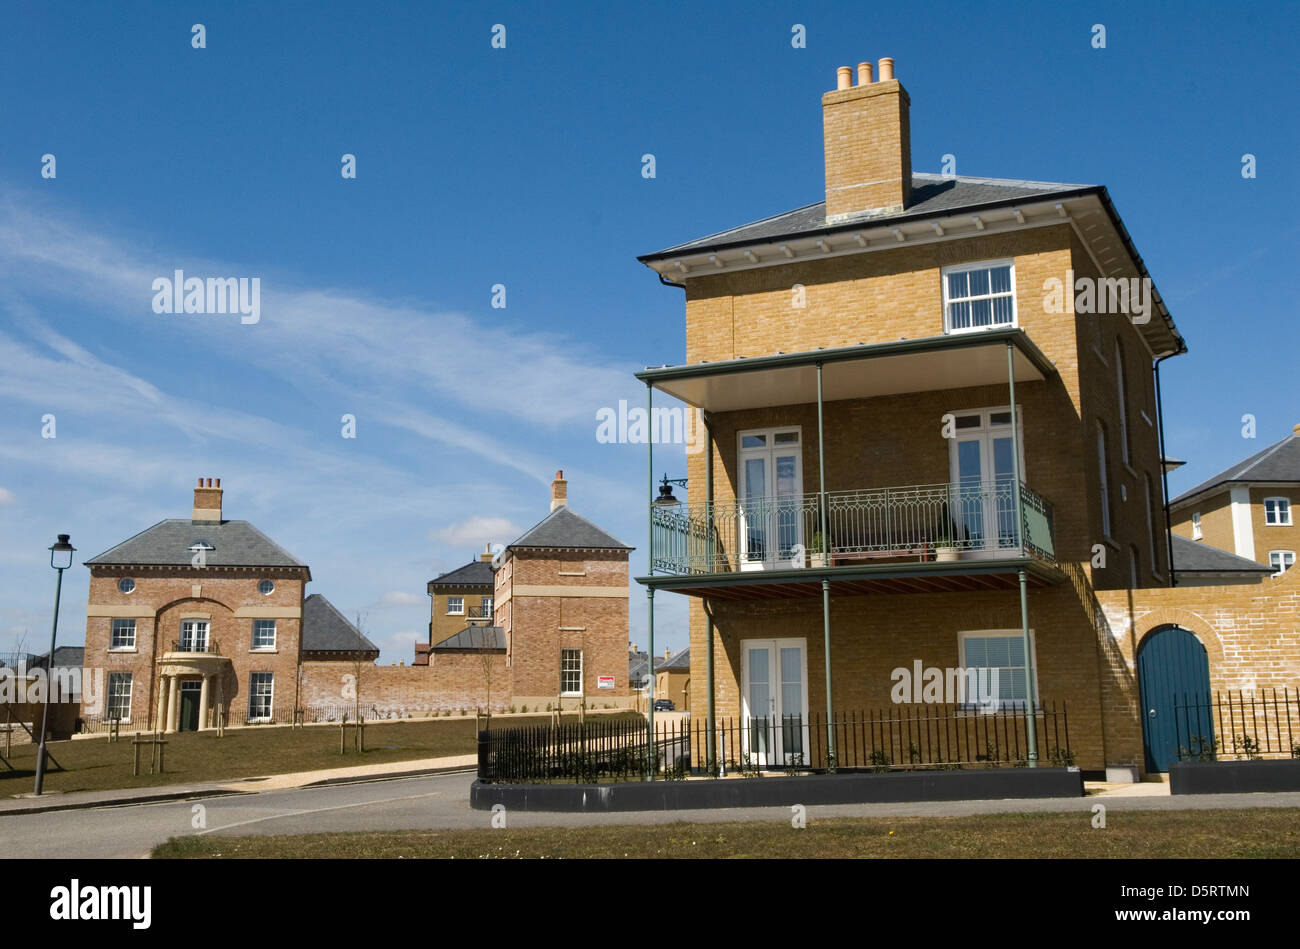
x: 1279, y: 462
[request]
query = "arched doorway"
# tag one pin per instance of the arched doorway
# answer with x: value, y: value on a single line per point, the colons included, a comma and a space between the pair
x: 1174, y: 688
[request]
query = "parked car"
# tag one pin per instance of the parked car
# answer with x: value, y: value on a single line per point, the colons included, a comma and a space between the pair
x: 664, y: 705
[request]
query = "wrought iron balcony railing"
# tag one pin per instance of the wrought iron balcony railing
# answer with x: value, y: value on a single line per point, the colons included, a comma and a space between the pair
x: 196, y: 644
x: 957, y: 521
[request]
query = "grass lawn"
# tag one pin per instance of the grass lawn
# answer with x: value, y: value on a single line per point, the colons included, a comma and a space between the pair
x: 94, y: 764
x: 1261, y: 832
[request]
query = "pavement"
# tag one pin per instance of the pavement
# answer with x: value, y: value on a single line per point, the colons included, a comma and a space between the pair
x: 387, y: 797
x: 441, y: 801
x: 73, y: 800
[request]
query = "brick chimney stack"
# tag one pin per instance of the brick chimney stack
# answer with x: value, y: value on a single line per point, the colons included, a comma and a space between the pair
x: 868, y: 145
x: 207, y: 501
x: 486, y: 556
x: 559, y: 491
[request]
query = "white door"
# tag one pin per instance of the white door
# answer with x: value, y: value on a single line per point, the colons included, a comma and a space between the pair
x: 774, y: 702
x: 771, y: 498
x: 982, y: 496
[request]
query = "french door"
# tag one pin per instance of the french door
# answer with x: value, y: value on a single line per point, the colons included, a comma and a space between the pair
x: 771, y: 498
x: 194, y: 635
x: 983, y: 476
x: 774, y: 702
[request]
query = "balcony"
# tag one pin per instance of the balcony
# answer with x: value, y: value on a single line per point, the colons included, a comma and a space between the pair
x: 198, y: 645
x: 917, y: 537
x: 479, y: 612
x: 192, y: 655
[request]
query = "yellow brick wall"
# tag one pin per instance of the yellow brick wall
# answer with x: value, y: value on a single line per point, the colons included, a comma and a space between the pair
x: 1216, y: 521
x: 1251, y: 634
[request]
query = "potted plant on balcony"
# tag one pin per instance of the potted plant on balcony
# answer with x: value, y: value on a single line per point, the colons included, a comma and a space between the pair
x: 945, y: 542
x: 816, y: 551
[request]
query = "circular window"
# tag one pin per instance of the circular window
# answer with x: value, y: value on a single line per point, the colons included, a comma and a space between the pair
x: 266, y: 588
x: 126, y: 585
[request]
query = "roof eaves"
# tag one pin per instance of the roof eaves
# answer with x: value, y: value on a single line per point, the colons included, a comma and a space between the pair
x: 856, y: 225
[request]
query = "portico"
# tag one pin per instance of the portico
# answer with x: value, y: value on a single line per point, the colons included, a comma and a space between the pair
x: 179, y: 711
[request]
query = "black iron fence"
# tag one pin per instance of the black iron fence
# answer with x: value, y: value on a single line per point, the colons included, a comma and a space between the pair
x: 897, y: 738
x: 1238, y: 725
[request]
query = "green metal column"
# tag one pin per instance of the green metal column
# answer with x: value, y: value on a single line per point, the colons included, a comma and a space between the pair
x: 1031, y: 714
x: 650, y: 591
x: 826, y: 584
x: 711, y: 742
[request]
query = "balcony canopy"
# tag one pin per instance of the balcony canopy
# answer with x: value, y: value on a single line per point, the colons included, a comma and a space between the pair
x: 954, y: 361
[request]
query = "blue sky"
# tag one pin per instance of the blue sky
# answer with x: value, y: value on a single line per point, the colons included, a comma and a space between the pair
x: 522, y: 166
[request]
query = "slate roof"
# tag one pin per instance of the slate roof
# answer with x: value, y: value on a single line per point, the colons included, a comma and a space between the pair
x: 476, y: 573
x: 681, y: 662
x: 168, y: 543
x: 1193, y: 556
x: 1277, y: 462
x: 563, y: 528
x: 474, y: 638
x: 932, y: 195
x: 638, y: 669
x: 325, y: 629
x: 65, y: 657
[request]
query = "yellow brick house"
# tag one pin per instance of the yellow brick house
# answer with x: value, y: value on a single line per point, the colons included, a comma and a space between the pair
x: 932, y: 436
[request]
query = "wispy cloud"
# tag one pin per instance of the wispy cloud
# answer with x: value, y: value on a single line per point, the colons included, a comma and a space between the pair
x: 477, y: 531
x: 146, y: 402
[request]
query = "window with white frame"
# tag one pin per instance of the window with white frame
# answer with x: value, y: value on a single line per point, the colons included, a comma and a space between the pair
x: 486, y: 604
x: 571, y: 671
x: 123, y: 636
x: 1281, y: 560
x: 1277, y: 511
x: 261, y: 690
x: 998, y: 656
x: 263, y: 634
x: 1103, y: 476
x: 455, y: 606
x: 118, y: 700
x: 1196, y: 527
x: 979, y: 296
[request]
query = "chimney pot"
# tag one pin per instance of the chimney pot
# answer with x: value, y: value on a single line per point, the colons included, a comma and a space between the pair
x: 843, y: 77
x: 1295, y: 429
x: 559, y: 491
x: 207, y: 501
x: 867, y: 143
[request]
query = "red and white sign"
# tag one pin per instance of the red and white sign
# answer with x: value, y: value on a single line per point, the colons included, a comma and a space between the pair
x: 604, y: 682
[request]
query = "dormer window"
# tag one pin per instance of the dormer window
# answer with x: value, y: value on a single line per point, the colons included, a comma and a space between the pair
x: 979, y: 296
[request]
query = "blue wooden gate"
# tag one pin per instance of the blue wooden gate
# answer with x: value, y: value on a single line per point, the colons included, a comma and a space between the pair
x: 1174, y: 687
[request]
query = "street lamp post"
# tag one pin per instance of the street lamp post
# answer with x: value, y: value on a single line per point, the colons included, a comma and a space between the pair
x: 60, y: 559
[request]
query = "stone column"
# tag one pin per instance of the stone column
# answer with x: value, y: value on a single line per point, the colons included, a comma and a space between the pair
x: 173, y: 703
x: 160, y: 721
x: 203, y: 703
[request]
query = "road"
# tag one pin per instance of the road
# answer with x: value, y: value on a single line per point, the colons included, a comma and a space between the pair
x: 441, y: 801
